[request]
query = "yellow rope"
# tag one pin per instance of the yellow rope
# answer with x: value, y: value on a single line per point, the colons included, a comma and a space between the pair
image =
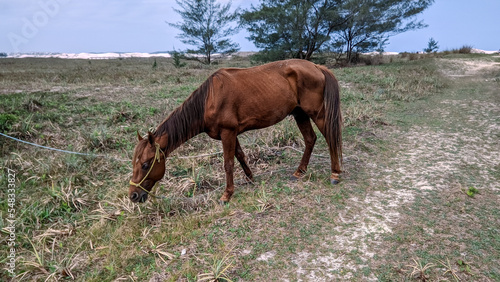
x: 156, y: 158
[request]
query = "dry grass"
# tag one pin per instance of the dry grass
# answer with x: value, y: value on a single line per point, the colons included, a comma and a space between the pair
x: 418, y: 270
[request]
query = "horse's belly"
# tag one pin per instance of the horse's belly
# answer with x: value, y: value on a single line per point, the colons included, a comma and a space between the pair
x: 263, y: 116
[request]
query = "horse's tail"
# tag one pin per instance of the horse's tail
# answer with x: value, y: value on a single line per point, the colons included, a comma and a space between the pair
x: 333, y: 116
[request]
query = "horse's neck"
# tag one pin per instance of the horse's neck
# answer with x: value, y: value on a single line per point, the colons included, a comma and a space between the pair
x: 178, y: 128
x: 186, y: 121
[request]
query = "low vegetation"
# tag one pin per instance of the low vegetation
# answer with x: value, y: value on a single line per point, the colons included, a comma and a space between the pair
x: 74, y: 220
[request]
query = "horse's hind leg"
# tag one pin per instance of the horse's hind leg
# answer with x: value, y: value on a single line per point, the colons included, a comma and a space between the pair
x: 335, y: 164
x: 304, y: 124
x: 240, y: 156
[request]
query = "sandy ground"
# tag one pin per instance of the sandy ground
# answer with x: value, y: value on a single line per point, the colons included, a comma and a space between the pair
x: 462, y: 68
x: 427, y: 157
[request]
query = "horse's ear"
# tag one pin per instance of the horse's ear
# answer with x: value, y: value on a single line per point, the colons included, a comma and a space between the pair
x: 139, y: 136
x: 151, y: 138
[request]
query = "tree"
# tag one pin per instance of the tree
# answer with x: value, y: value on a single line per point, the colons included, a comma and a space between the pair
x: 369, y: 23
x: 206, y: 25
x: 177, y: 56
x: 291, y: 28
x: 432, y: 46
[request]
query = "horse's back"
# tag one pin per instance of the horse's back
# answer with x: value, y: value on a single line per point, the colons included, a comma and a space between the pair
x: 268, y: 73
x: 261, y: 96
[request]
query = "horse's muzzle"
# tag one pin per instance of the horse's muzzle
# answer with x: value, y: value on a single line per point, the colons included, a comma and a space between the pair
x: 140, y: 197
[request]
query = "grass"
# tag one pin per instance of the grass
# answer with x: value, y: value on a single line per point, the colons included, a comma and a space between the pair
x: 219, y: 269
x: 74, y: 221
x: 418, y: 270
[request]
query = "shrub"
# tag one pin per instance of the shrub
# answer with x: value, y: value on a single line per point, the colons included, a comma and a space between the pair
x: 414, y: 56
x: 319, y: 59
x: 466, y: 49
x: 265, y: 56
x: 177, y: 56
x: 372, y: 60
x: 6, y: 122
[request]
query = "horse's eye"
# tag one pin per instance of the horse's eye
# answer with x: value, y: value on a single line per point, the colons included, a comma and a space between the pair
x: 145, y: 166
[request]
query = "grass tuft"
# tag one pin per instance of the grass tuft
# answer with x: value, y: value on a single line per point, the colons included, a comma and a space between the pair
x: 419, y: 270
x: 219, y: 269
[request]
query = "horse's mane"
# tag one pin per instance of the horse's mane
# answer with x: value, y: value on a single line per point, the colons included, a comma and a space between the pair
x: 187, y: 120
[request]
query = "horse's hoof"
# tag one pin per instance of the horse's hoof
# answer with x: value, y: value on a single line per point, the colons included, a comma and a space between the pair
x: 296, y: 176
x: 223, y: 203
x: 334, y: 178
x: 249, y: 179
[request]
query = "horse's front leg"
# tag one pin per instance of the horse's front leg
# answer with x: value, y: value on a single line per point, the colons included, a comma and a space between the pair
x: 228, y: 139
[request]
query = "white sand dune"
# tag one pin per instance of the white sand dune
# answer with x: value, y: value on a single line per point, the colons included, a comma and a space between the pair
x: 484, y: 52
x: 90, y: 55
x: 383, y: 53
x: 115, y: 55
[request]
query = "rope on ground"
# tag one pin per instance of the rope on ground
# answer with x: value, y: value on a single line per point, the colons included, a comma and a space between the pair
x: 206, y: 196
x: 178, y: 157
x: 62, y: 151
x: 200, y: 156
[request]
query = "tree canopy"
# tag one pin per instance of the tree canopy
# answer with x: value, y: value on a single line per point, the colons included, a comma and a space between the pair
x: 298, y: 28
x: 292, y: 28
x: 369, y: 23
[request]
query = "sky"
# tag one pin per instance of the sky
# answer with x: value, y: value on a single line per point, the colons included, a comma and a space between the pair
x: 76, y: 26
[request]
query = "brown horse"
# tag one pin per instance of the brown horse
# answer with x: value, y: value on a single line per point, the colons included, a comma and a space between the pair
x: 232, y: 101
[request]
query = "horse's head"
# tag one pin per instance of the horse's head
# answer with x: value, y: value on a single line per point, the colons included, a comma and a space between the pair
x: 148, y: 168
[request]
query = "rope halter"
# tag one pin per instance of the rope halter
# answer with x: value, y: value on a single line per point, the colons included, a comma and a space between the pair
x: 156, y: 158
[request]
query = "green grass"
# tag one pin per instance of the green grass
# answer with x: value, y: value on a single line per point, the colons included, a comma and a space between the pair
x: 74, y: 220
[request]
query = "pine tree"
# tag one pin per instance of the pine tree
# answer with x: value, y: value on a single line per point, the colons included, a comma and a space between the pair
x: 432, y: 46
x: 206, y: 25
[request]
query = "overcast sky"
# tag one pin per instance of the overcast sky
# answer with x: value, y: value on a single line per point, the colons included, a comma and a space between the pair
x: 74, y: 26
